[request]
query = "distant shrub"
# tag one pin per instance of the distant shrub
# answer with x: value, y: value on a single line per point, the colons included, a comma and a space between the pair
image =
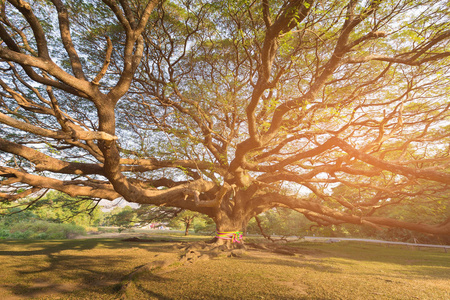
x: 204, y: 227
x: 42, y: 230
x: 107, y: 229
x: 4, y: 233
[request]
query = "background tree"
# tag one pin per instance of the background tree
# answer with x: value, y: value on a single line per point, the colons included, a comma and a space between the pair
x: 230, y: 108
x: 188, y: 220
x: 282, y: 222
x: 61, y: 208
x: 123, y: 217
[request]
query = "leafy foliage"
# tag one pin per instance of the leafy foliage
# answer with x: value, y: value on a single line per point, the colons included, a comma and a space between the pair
x: 54, y: 216
x: 281, y: 222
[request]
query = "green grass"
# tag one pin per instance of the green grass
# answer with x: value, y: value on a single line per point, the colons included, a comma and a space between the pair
x: 93, y: 268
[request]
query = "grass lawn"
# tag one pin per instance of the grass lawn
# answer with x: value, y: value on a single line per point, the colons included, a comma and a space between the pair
x: 93, y: 269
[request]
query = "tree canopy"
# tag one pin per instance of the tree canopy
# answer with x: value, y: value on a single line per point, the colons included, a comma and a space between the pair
x: 336, y: 109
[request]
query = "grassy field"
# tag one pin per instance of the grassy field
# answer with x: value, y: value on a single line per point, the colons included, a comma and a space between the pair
x: 94, y: 269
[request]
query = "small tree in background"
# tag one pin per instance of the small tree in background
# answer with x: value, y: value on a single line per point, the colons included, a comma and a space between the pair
x: 189, y: 219
x: 186, y: 217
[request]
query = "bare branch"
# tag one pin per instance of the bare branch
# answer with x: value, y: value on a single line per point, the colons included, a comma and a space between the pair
x: 102, y: 72
x: 74, y: 135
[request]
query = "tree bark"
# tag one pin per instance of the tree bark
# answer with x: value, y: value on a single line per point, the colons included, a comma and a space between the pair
x: 187, y: 222
x: 230, y: 227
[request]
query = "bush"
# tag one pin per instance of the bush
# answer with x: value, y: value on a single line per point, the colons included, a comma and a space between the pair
x: 204, y: 227
x: 41, y: 230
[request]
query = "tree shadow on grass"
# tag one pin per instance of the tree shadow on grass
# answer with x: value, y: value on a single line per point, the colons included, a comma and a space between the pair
x: 43, y: 268
x: 434, y: 265
x: 148, y: 286
x: 50, y: 248
x: 54, y: 247
x: 41, y: 289
x: 149, y: 278
x: 65, y: 274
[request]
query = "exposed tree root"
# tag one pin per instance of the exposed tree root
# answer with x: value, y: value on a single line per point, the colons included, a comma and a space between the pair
x: 215, y: 248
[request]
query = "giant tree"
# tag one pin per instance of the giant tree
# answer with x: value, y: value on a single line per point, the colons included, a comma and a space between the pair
x: 229, y: 108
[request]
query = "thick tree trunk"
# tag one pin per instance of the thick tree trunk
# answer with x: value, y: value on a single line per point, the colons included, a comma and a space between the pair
x: 232, y: 216
x: 230, y: 230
